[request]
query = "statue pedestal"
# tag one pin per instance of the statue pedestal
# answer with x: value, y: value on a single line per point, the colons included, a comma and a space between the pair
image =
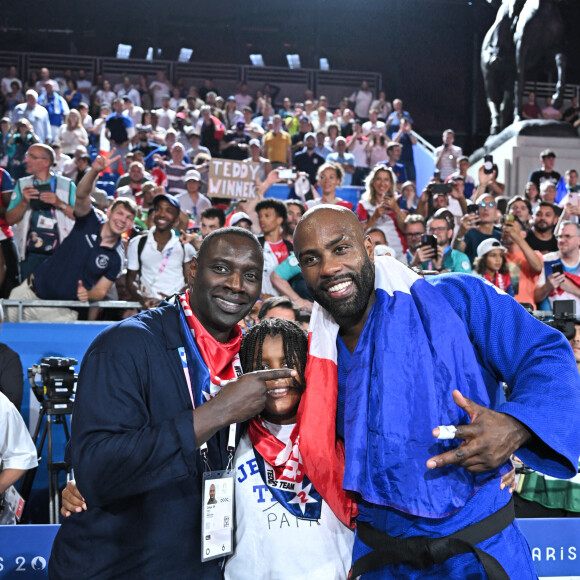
x: 516, y: 151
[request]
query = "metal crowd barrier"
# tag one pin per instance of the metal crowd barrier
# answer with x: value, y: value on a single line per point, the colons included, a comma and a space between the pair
x: 21, y: 304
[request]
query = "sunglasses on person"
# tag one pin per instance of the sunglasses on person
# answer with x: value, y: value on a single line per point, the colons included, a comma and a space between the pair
x: 486, y: 204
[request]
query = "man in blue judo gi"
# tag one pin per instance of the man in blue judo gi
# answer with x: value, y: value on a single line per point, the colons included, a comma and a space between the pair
x: 398, y: 364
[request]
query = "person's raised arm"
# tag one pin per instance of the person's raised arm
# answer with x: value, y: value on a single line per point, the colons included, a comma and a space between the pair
x: 285, y: 289
x: 536, y: 263
x: 439, y: 157
x: 87, y: 183
x: 259, y: 192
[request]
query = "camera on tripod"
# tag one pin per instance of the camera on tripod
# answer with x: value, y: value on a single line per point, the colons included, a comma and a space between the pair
x: 53, y: 383
x: 564, y: 318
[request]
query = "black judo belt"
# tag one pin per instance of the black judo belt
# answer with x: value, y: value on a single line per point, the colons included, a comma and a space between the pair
x: 422, y: 552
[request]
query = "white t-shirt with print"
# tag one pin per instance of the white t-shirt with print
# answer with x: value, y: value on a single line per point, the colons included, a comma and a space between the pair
x: 271, y: 543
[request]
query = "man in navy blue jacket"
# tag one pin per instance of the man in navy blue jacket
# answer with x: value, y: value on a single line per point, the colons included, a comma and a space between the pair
x: 136, y: 432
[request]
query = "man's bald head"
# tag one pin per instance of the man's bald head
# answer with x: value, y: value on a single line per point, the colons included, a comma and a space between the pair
x: 335, y: 258
x: 324, y: 214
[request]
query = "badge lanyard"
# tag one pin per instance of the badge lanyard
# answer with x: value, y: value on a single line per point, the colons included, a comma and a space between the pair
x: 231, y: 448
x: 217, y: 504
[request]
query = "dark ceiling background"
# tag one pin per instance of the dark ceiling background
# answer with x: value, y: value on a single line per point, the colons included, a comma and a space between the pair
x: 426, y: 50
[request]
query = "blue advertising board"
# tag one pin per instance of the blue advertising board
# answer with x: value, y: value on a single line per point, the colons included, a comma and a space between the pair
x: 555, y: 545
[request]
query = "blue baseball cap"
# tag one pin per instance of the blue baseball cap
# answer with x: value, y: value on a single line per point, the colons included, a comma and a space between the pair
x: 167, y: 197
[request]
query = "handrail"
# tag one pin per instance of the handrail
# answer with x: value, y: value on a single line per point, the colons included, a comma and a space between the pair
x: 431, y: 148
x: 21, y: 304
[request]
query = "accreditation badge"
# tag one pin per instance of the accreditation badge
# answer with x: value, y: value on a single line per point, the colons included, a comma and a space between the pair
x: 217, y: 537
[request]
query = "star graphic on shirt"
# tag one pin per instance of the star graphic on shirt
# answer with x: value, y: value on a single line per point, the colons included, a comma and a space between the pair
x: 303, y: 496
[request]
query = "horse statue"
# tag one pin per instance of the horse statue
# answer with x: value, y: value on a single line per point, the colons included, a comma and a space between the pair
x: 526, y: 35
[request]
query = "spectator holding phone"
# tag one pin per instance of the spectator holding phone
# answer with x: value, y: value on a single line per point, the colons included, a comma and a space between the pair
x: 448, y: 259
x: 417, y: 253
x: 521, y: 208
x: 558, y: 280
x: 379, y: 208
x: 446, y: 155
x: 474, y: 228
x: 524, y: 263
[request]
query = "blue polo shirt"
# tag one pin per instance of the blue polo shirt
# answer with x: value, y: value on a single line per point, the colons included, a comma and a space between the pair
x: 398, y: 170
x: 79, y: 257
x: 118, y: 125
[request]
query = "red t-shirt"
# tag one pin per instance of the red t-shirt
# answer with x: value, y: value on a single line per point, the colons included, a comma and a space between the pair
x: 280, y: 250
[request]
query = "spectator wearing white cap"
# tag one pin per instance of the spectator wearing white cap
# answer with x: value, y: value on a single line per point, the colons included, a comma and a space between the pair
x: 241, y: 220
x: 255, y: 157
x: 491, y: 264
x: 192, y: 201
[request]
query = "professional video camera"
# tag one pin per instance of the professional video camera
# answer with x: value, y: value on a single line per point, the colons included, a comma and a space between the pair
x: 53, y: 382
x: 564, y: 318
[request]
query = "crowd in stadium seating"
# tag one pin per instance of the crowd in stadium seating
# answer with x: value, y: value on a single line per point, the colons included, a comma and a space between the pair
x: 157, y: 137
x: 125, y: 167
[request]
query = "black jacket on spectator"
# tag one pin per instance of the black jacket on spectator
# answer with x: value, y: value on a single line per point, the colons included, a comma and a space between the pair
x: 11, y: 376
x: 308, y: 163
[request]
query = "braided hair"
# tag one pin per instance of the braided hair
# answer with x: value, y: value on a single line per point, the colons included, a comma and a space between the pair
x: 294, y: 340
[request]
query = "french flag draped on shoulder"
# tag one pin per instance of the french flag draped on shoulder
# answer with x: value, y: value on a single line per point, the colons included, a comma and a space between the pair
x: 412, y: 353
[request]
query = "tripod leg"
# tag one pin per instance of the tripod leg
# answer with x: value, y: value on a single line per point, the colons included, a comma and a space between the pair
x: 52, y: 479
x: 28, y: 480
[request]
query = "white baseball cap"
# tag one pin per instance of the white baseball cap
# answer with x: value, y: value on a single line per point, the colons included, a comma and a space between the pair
x: 238, y: 217
x: 192, y: 174
x: 489, y: 245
